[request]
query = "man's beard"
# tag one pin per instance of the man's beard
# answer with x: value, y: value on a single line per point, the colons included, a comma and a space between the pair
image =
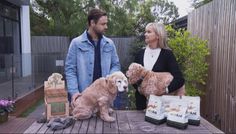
x: 98, y: 33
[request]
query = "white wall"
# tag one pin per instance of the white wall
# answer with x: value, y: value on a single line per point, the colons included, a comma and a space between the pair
x: 25, y: 40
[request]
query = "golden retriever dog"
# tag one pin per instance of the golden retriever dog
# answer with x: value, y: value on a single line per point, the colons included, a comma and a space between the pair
x: 152, y: 82
x: 99, y: 96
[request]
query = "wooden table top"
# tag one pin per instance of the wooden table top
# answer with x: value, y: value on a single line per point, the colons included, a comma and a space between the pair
x: 126, y: 122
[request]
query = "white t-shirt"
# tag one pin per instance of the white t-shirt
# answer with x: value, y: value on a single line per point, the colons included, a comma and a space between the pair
x: 150, y: 57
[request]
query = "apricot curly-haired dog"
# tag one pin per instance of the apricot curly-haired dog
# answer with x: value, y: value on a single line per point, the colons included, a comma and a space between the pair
x: 99, y: 96
x: 152, y: 82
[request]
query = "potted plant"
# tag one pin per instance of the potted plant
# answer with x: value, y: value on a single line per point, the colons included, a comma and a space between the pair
x: 6, y: 106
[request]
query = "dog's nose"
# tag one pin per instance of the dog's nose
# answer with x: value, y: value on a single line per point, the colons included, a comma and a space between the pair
x: 125, y: 87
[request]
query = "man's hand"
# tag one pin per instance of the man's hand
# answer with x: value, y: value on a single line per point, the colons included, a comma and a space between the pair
x: 74, y: 97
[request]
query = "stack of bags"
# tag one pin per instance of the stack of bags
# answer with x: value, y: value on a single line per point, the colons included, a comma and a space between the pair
x: 55, y: 97
x: 176, y: 111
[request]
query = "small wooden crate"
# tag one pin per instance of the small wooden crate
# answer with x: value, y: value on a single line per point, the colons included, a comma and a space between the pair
x: 55, y: 97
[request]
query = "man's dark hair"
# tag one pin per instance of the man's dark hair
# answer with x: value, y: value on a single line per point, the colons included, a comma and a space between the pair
x: 95, y: 14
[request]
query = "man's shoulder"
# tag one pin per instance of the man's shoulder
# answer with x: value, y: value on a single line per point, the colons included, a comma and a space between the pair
x: 79, y: 38
x: 110, y: 41
x: 79, y: 42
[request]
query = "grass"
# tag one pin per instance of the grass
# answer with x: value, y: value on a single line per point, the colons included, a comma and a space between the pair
x: 32, y: 108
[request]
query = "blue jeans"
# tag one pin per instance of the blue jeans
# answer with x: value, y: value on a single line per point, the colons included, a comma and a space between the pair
x: 121, y: 101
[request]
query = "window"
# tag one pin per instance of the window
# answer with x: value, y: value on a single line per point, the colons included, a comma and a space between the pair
x: 1, y: 27
x: 9, y: 11
x: 9, y: 28
x: 9, y: 39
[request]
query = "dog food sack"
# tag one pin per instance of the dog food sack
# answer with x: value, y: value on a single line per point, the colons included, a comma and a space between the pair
x: 177, y: 114
x: 193, y: 110
x: 155, y: 110
x: 166, y: 100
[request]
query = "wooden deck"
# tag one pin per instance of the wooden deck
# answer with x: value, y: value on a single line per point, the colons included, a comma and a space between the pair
x: 20, y: 124
x: 126, y: 122
x: 15, y: 125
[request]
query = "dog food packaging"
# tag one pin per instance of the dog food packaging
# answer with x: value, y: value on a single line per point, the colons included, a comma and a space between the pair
x: 193, y: 110
x: 177, y: 114
x: 166, y: 100
x: 155, y: 110
x: 55, y: 97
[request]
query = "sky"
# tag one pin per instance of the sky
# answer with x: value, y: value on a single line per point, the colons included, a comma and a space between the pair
x: 184, y: 6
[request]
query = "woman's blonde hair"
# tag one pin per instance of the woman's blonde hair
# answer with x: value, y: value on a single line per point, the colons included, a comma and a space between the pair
x: 159, y: 29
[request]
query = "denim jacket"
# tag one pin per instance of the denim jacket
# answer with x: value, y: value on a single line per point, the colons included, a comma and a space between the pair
x: 80, y: 62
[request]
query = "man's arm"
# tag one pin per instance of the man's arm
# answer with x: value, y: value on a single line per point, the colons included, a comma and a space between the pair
x: 71, y: 69
x: 115, y: 63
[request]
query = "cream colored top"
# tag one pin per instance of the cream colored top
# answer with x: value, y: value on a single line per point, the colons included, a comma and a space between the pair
x: 150, y: 57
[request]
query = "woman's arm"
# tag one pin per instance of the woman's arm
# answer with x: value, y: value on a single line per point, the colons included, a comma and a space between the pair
x: 173, y: 67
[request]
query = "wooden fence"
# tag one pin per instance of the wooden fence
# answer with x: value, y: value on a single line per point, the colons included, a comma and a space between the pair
x: 216, y: 22
x: 123, y: 45
x: 46, y: 50
x: 49, y: 44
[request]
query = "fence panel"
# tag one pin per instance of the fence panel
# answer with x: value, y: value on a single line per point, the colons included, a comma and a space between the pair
x: 123, y: 45
x: 215, y: 22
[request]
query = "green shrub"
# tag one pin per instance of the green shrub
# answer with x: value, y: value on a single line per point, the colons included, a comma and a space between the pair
x: 131, y: 98
x: 191, y: 53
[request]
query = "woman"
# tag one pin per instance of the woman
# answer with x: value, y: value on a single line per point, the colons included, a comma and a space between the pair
x: 157, y: 57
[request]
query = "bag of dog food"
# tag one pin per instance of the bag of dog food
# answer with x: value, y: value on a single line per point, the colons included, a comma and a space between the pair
x: 193, y: 110
x: 166, y: 100
x: 177, y: 114
x: 155, y: 110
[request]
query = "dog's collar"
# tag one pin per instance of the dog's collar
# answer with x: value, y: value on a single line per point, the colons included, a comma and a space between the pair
x: 139, y: 82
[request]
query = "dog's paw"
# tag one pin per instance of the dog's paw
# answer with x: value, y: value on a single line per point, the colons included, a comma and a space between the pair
x: 110, y: 110
x: 94, y: 114
x: 109, y: 119
x: 82, y: 116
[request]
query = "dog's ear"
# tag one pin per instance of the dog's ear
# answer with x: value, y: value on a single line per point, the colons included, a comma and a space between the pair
x: 112, y: 90
x: 111, y: 84
x: 128, y: 73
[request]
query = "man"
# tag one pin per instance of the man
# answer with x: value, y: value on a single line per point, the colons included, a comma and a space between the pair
x: 90, y: 56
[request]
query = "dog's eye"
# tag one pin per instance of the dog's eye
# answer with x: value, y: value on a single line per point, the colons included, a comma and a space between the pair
x: 119, y: 81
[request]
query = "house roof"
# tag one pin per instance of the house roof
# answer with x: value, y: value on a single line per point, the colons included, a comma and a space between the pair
x: 180, y: 23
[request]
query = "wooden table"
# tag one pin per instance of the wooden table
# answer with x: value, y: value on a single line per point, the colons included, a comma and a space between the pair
x: 126, y: 122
